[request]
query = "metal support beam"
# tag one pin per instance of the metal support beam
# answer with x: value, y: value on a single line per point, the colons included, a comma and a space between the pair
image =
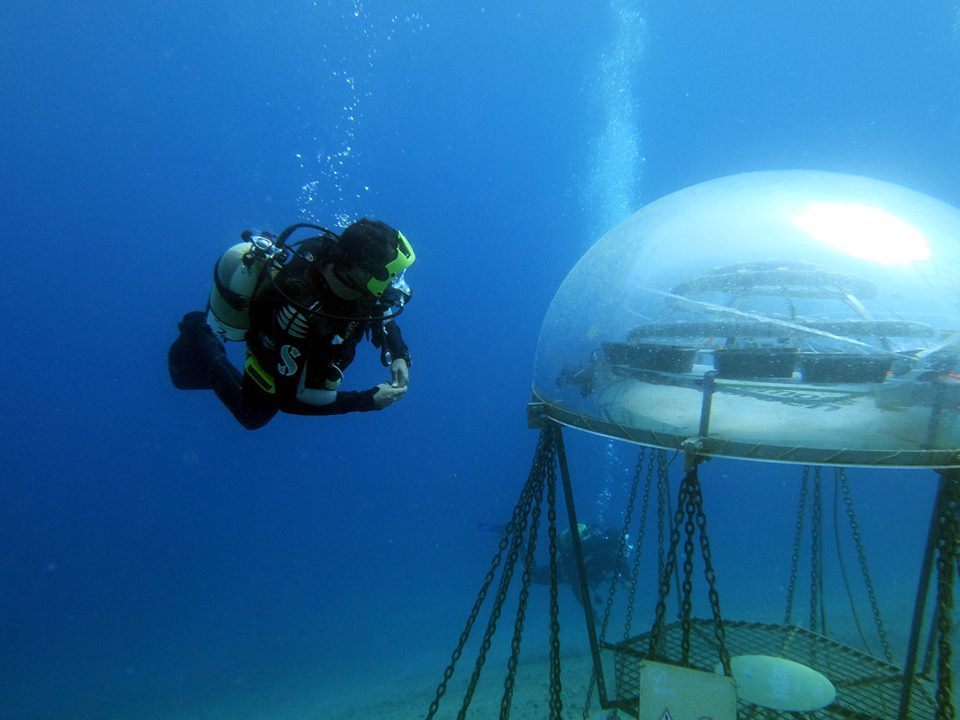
x: 581, y: 570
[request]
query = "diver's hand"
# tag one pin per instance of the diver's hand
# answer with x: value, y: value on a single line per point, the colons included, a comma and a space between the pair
x: 400, y: 372
x: 387, y: 394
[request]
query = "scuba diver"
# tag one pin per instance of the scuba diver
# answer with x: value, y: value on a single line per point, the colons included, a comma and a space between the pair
x: 302, y: 309
x: 601, y: 559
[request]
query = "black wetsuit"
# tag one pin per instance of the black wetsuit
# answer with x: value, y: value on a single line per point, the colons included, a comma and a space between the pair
x: 291, y: 346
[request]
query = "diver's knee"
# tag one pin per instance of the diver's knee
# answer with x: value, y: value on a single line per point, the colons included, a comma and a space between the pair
x: 253, y: 423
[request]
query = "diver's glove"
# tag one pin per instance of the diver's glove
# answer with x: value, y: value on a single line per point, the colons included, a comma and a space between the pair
x: 387, y: 394
x: 400, y: 371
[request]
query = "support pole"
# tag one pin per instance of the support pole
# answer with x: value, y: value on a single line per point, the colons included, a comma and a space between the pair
x: 581, y: 570
x: 706, y: 404
x: 693, y: 447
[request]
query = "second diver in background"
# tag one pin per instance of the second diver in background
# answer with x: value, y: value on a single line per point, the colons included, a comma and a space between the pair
x: 601, y: 557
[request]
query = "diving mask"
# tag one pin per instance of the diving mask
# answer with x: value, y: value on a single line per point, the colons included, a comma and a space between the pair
x: 394, y: 269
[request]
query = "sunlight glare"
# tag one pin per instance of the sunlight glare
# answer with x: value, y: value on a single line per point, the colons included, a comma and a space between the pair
x: 864, y: 232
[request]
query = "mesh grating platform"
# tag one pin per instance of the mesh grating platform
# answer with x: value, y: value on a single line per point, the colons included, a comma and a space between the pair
x: 867, y: 688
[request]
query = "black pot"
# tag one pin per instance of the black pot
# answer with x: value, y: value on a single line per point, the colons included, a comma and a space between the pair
x: 650, y: 356
x: 844, y: 367
x: 755, y: 363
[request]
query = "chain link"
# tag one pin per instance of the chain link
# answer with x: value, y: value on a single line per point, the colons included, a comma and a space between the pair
x: 526, y: 578
x: 816, y: 556
x: 691, y: 516
x: 556, y: 702
x: 655, y: 458
x: 795, y: 554
x: 658, y: 634
x: 622, y: 545
x: 622, y: 555
x: 947, y: 536
x: 862, y: 559
x: 505, y: 578
x: 545, y: 456
x: 711, y: 577
x: 686, y: 595
x: 588, y: 700
x: 663, y: 503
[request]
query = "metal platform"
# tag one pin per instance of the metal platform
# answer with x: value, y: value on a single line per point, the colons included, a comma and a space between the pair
x: 868, y: 688
x: 541, y: 410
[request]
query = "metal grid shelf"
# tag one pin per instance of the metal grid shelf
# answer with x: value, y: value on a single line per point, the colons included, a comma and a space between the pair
x: 867, y: 688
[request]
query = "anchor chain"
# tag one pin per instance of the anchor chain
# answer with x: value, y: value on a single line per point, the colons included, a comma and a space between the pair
x: 795, y: 554
x: 528, y: 562
x: 686, y: 596
x: 663, y: 504
x: 556, y: 703
x: 515, y: 546
x: 862, y: 560
x: 657, y: 635
x: 691, y: 516
x: 947, y: 538
x: 657, y: 458
x: 543, y: 464
x: 817, y: 615
x: 711, y: 576
x: 622, y: 554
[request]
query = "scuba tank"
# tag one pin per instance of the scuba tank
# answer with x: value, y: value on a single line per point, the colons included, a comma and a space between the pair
x: 236, y: 276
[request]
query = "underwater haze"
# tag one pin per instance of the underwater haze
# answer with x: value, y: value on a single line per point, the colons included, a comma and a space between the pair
x: 158, y: 561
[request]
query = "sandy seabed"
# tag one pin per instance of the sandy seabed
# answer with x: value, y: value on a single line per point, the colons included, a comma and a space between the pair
x: 399, y: 695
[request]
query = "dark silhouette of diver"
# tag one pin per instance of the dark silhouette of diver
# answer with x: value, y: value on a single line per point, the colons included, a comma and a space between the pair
x: 601, y: 558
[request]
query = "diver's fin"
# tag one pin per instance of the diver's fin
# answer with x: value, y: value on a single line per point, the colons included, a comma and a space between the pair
x: 193, y: 353
x: 492, y: 528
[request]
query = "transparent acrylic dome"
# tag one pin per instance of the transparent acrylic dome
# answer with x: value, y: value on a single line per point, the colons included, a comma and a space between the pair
x: 797, y: 316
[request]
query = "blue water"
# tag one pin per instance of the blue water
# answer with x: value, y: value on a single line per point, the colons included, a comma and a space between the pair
x: 156, y: 559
